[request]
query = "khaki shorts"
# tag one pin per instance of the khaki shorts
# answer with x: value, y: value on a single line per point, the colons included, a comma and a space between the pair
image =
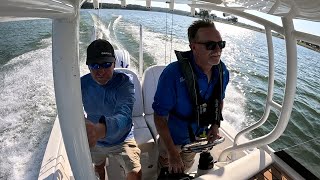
x: 187, y: 157
x: 126, y: 153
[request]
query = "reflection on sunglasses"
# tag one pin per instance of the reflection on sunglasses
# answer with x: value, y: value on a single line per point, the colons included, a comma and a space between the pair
x: 98, y: 66
x: 211, y: 45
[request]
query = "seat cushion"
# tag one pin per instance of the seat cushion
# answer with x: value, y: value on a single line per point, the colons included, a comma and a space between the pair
x: 144, y: 140
x: 138, y: 104
x: 143, y: 135
x: 149, y: 86
x: 152, y: 127
x: 139, y: 122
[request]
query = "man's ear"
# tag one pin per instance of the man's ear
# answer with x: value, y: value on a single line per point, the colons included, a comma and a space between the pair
x: 192, y: 46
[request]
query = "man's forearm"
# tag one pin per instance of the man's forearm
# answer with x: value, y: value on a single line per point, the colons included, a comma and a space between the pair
x: 163, y: 130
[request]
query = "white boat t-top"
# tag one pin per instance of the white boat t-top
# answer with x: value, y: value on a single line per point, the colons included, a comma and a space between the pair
x: 67, y: 155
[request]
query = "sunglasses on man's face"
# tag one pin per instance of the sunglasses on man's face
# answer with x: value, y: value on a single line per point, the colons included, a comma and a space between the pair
x: 211, y: 45
x: 99, y: 66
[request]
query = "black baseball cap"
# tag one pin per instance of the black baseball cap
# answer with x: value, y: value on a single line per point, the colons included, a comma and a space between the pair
x: 100, y: 51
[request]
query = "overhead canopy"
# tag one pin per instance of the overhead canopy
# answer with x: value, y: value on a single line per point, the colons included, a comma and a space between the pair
x: 303, y: 9
x: 39, y: 8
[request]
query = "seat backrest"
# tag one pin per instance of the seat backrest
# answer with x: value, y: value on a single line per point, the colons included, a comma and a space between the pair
x: 138, y: 104
x: 122, y: 58
x: 149, y: 86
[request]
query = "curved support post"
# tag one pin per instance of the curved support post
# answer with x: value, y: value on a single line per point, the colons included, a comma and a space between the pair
x: 275, y: 105
x: 290, y: 89
x: 140, y: 53
x: 274, y: 7
x: 270, y: 89
x: 269, y: 96
x: 66, y: 74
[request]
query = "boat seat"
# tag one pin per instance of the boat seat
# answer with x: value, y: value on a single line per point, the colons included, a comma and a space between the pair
x: 149, y: 87
x: 142, y: 133
x: 122, y: 58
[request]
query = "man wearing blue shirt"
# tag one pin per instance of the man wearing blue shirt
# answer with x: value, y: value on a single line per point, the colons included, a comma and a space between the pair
x: 189, y: 96
x: 108, y: 98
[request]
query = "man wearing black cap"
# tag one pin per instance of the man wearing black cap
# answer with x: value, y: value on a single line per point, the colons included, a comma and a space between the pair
x: 108, y: 98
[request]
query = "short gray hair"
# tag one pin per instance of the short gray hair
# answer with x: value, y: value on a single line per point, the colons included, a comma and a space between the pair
x: 196, y: 25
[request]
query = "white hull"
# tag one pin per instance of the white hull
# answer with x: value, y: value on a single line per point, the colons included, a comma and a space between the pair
x: 56, y: 164
x: 71, y: 151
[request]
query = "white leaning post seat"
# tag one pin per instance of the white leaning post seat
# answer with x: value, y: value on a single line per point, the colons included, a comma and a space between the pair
x: 142, y: 133
x: 149, y: 87
x: 122, y: 59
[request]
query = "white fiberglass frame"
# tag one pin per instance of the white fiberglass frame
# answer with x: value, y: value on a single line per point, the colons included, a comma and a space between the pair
x: 291, y: 77
x: 66, y: 73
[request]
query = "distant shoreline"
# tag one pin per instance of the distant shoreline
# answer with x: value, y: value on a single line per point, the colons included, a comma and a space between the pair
x: 185, y: 13
x: 274, y: 34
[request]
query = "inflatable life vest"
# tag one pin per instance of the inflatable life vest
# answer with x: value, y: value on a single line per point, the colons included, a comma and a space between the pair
x: 205, y: 112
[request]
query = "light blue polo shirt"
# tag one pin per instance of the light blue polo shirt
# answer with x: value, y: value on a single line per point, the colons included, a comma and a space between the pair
x: 172, y: 95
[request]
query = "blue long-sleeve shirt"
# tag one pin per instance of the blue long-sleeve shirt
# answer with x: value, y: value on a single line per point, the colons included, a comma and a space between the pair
x: 172, y: 94
x: 114, y: 101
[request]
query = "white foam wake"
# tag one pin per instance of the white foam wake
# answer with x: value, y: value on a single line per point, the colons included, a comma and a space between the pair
x: 27, y: 112
x: 154, y: 43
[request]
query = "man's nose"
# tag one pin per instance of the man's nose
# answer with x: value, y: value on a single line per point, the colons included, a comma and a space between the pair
x: 217, y: 47
x: 101, y: 70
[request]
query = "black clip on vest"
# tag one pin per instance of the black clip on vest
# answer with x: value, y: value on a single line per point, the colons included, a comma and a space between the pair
x: 205, y: 112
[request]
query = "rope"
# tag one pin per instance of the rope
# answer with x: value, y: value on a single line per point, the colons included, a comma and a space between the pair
x: 300, y: 144
x: 165, y: 46
x: 318, y: 138
x: 171, y: 35
x: 99, y: 10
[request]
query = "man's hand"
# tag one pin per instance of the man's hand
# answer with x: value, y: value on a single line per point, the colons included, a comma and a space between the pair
x: 95, y: 132
x: 175, y: 162
x: 213, y: 133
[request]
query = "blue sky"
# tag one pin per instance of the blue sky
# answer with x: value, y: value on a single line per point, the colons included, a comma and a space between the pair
x: 300, y: 25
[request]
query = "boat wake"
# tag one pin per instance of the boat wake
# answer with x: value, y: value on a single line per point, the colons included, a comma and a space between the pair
x: 27, y: 113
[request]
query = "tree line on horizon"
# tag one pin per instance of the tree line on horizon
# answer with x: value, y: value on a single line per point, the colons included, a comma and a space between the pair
x: 87, y: 5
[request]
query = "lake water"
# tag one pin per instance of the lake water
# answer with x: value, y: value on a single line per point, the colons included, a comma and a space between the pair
x: 27, y: 103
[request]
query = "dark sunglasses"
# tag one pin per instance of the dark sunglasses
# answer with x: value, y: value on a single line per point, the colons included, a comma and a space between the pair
x: 211, y: 45
x: 99, y: 66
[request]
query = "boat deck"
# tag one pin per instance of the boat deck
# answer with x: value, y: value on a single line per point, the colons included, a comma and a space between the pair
x: 272, y: 172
